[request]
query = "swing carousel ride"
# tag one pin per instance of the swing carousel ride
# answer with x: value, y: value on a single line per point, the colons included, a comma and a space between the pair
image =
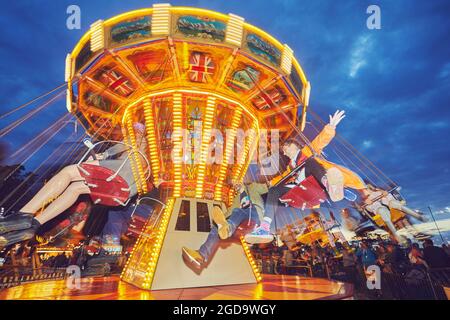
x: 194, y: 78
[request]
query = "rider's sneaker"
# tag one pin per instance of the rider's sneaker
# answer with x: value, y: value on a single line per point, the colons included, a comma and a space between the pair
x: 259, y: 235
x: 15, y: 221
x: 193, y: 258
x: 223, y: 226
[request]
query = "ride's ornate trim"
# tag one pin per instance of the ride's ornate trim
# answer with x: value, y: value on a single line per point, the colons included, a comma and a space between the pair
x: 228, y: 150
x: 251, y: 260
x: 156, y: 250
x: 286, y: 59
x: 177, y: 143
x: 69, y: 100
x: 97, y: 36
x: 206, y: 136
x: 161, y: 19
x: 152, y: 141
x: 235, y: 30
x: 305, y: 98
x: 68, y: 69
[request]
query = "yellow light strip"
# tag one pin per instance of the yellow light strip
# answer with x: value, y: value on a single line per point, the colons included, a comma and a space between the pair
x: 173, y: 58
x: 235, y: 30
x: 305, y: 97
x: 177, y: 143
x: 97, y: 36
x: 156, y: 249
x: 199, y: 12
x: 185, y: 56
x: 132, y: 155
x: 161, y: 19
x: 251, y: 260
x: 228, y: 149
x: 206, y: 137
x: 69, y: 98
x: 286, y: 59
x: 306, y: 93
x: 139, y: 242
x: 142, y: 175
x: 127, y: 138
x: 152, y: 141
x: 68, y: 69
x: 141, y: 183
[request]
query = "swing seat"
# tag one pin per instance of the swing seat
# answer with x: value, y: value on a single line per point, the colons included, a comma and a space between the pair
x: 312, y: 236
x: 308, y: 195
x: 397, y: 215
x: 106, y: 189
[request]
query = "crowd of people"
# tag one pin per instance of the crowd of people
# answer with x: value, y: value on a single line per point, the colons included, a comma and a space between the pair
x: 24, y: 259
x: 350, y: 262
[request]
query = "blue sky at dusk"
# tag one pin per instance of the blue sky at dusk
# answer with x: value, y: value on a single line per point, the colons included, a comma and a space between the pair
x: 394, y: 83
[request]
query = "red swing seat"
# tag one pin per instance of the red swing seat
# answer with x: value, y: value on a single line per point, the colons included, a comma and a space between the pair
x: 308, y: 195
x: 108, y: 193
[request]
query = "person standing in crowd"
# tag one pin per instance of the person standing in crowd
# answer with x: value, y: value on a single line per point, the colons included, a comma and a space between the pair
x: 366, y: 255
x: 435, y: 256
x: 416, y: 258
x: 381, y: 253
x: 446, y: 249
x: 288, y: 261
x: 393, y: 261
x: 349, y: 263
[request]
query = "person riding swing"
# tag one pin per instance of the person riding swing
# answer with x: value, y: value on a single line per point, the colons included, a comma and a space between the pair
x: 63, y: 189
x: 307, y: 164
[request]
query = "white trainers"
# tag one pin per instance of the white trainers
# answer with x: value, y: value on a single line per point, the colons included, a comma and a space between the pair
x: 259, y: 235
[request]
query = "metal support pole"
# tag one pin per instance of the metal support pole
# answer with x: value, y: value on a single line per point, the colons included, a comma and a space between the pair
x: 435, y: 223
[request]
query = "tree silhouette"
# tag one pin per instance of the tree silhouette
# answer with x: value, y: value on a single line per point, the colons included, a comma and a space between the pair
x: 14, y: 182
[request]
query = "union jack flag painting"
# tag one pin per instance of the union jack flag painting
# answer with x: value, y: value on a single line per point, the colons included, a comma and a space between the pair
x: 200, y: 67
x: 116, y: 82
x: 268, y: 99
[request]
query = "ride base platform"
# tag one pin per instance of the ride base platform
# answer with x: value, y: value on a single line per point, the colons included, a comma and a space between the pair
x: 272, y: 287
